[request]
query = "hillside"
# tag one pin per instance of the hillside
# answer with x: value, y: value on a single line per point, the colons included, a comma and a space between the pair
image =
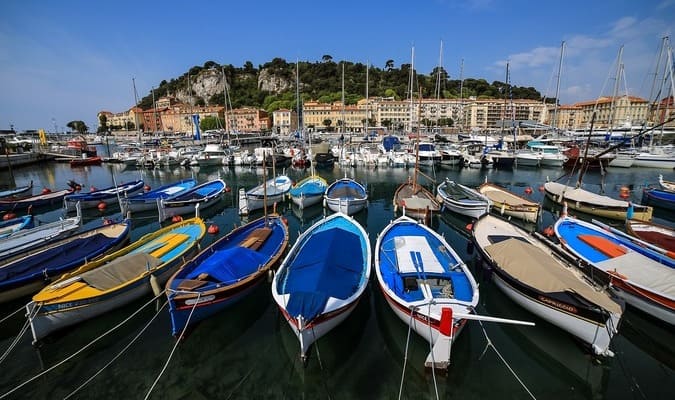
x: 272, y: 86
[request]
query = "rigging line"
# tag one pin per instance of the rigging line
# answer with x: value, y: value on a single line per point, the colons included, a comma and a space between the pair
x: 175, y: 346
x: 489, y: 344
x: 405, y: 356
x: 118, y: 354
x: 11, y: 315
x: 318, y: 357
x: 431, y: 350
x: 104, y: 334
x: 18, y: 337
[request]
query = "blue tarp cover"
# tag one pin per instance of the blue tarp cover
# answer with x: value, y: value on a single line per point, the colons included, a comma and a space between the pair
x: 309, y: 189
x: 230, y: 265
x: 330, y: 264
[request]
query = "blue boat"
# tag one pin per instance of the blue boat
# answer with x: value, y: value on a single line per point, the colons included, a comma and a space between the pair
x: 148, y: 200
x: 225, y: 272
x: 323, y: 277
x: 205, y: 195
x: 346, y: 196
x: 308, y: 191
x: 46, y: 198
x: 108, y: 195
x: 11, y: 226
x: 16, y: 191
x: 27, y: 273
x: 426, y: 284
x: 659, y: 198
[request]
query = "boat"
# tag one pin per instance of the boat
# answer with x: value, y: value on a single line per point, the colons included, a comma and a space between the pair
x: 639, y: 280
x: 46, y: 198
x: 114, y: 280
x: 505, y: 202
x: 81, y: 162
x: 575, y: 159
x: 205, y: 195
x: 526, y: 270
x: 276, y: 190
x: 324, y: 160
x: 308, y: 191
x: 20, y: 190
x: 28, y: 239
x: 658, y: 235
x: 225, y: 271
x: 148, y: 199
x: 462, y: 199
x: 426, y: 284
x: 660, y: 198
x: 108, y: 195
x: 9, y: 227
x: 666, y: 185
x: 346, y: 195
x: 594, y: 204
x: 26, y: 273
x: 322, y: 278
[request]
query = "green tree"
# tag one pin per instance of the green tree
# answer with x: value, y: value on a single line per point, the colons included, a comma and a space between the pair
x: 210, y: 122
x: 102, y: 123
x: 327, y: 58
x: 327, y: 123
x: 78, y: 126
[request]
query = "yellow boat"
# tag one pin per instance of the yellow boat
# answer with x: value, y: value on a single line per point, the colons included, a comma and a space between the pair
x: 114, y: 280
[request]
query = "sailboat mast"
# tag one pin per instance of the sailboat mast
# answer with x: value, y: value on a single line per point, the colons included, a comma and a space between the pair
x: 342, y: 125
x: 461, y: 94
x: 438, y: 84
x: 225, y: 114
x: 417, y: 147
x: 557, y: 88
x: 615, y: 92
x: 367, y: 68
x: 138, y: 129
x: 410, y: 85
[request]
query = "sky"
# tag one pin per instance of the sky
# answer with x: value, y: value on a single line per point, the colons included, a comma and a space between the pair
x: 67, y: 60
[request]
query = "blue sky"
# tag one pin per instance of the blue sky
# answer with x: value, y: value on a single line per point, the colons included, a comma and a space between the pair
x: 66, y: 60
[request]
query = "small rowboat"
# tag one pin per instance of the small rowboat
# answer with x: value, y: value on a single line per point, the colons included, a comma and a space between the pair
x: 108, y: 195
x: 46, y: 198
x: 656, y: 234
x: 147, y: 200
x: 205, y: 195
x: 16, y: 191
x: 346, y: 196
x: 308, y: 191
x: 505, y: 202
x: 81, y: 162
x: 462, y: 200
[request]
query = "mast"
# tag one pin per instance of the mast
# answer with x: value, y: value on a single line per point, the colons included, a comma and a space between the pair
x: 417, y: 147
x: 410, y: 85
x: 557, y: 88
x: 367, y: 68
x: 225, y: 114
x: 438, y: 84
x: 461, y: 94
x: 138, y: 129
x: 615, y: 92
x: 342, y: 125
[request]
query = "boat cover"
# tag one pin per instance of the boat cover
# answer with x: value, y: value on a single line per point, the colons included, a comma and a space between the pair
x: 120, y: 271
x: 311, y: 188
x: 330, y: 264
x: 229, y: 265
x: 582, y: 195
x: 535, y: 268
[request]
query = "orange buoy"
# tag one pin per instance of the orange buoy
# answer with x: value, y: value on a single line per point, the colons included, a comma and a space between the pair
x: 549, y: 231
x: 176, y: 218
x: 624, y: 192
x: 228, y: 189
x: 541, y: 188
x: 213, y: 229
x: 528, y: 190
x: 146, y: 188
x: 469, y: 226
x: 46, y: 190
x: 102, y: 206
x: 9, y: 215
x: 284, y: 220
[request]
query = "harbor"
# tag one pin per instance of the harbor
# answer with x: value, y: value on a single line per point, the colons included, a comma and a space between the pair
x: 231, y: 353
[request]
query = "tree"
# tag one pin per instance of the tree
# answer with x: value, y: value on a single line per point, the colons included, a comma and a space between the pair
x: 327, y: 123
x: 327, y: 58
x: 389, y: 65
x: 78, y: 126
x: 210, y: 122
x: 102, y: 123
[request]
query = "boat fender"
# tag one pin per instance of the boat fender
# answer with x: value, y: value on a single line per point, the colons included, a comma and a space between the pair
x: 528, y: 190
x: 445, y: 327
x: 46, y: 191
x: 270, y: 275
x: 8, y: 216
x: 154, y: 284
x: 213, y: 229
x: 501, y: 211
x: 101, y: 205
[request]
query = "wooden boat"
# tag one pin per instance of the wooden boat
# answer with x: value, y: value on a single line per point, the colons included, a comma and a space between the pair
x: 462, y: 200
x: 660, y: 198
x: 594, y: 204
x: 666, y: 185
x: 417, y: 201
x: 12, y: 226
x: 324, y: 160
x: 205, y: 195
x: 225, y: 272
x: 81, y: 162
x: 505, y: 202
x: 148, y: 200
x: 276, y: 188
x: 656, y: 234
x: 425, y: 283
x: 108, y: 195
x: 308, y: 191
x: 28, y: 239
x: 20, y: 190
x: 26, y: 273
x: 527, y: 271
x: 114, y: 280
x: 641, y: 281
x: 46, y: 198
x: 322, y: 278
x: 346, y: 196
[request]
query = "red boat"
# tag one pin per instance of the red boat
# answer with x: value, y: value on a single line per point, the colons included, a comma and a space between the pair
x: 575, y: 159
x: 80, y: 162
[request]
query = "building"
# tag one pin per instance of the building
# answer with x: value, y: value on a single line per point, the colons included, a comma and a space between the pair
x: 250, y: 120
x: 611, y: 112
x: 284, y: 121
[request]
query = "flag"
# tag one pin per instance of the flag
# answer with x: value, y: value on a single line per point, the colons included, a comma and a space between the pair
x: 43, y: 137
x: 195, y: 121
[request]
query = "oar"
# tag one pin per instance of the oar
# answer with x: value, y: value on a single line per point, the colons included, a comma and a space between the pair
x: 632, y: 238
x: 492, y: 319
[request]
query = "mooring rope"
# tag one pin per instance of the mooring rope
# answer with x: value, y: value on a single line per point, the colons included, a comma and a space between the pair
x: 405, y: 355
x: 12, y: 314
x: 489, y: 344
x: 175, y: 346
x: 431, y: 351
x: 118, y: 354
x: 16, y: 340
x: 81, y: 349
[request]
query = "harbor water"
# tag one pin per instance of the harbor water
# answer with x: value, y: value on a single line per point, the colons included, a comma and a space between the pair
x: 249, y: 352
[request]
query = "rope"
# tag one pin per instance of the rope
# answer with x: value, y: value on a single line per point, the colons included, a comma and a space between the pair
x: 431, y: 351
x: 489, y: 344
x: 82, y: 349
x: 118, y: 354
x: 15, y: 341
x: 173, y: 350
x: 405, y: 355
x: 11, y: 315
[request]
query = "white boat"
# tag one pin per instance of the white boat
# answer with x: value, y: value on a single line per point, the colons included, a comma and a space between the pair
x: 656, y: 157
x: 551, y: 156
x: 317, y: 286
x: 212, y: 155
x: 505, y: 202
x: 346, y: 196
x: 527, y: 271
x: 666, y: 185
x: 276, y: 188
x: 462, y: 200
x: 428, y: 154
x: 528, y: 159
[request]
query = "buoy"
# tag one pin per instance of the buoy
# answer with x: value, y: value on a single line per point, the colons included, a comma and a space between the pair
x: 228, y: 189
x: 92, y: 189
x: 146, y: 188
x: 46, y: 190
x: 9, y: 215
x: 528, y: 190
x: 469, y: 226
x: 101, y: 206
x: 549, y: 231
x: 624, y: 192
x: 213, y: 229
x: 541, y: 188
x: 284, y: 220
x: 176, y: 218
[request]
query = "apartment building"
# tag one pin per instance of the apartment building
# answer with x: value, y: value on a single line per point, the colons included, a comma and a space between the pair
x: 613, y: 112
x: 284, y: 121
